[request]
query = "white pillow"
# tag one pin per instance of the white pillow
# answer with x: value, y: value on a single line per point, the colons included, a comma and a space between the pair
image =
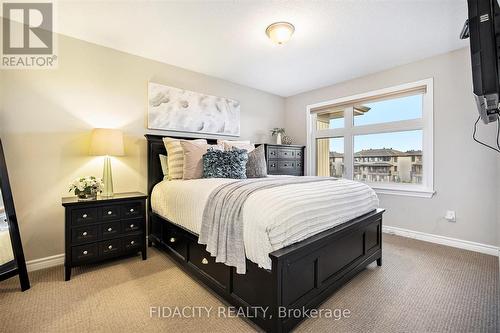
x: 175, y: 155
x: 221, y: 142
x: 228, y: 145
x: 164, y: 166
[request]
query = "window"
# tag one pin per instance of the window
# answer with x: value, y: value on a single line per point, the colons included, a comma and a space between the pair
x: 383, y: 138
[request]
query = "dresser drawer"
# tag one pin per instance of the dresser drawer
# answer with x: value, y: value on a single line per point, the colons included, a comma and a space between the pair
x: 132, y: 225
x: 84, y: 234
x: 109, y: 212
x: 286, y: 166
x: 272, y: 153
x: 132, y: 242
x: 299, y: 168
x: 111, y: 229
x: 299, y: 154
x: 83, y: 216
x: 85, y: 252
x: 286, y: 153
x: 132, y: 210
x: 110, y: 247
x: 199, y: 257
x: 272, y: 166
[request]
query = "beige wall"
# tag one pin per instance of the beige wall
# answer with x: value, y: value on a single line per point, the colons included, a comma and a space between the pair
x: 466, y: 174
x: 48, y: 115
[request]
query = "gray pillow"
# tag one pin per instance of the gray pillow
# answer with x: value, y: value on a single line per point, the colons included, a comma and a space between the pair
x: 225, y: 164
x: 256, y: 165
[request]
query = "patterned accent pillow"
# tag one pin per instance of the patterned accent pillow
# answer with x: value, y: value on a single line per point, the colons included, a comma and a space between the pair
x: 256, y: 165
x: 225, y: 164
x: 175, y: 155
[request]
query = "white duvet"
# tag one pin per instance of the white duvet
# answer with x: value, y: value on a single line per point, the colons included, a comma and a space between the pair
x: 272, y: 218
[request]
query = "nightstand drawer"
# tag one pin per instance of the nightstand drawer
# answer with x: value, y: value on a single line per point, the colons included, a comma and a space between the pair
x: 111, y: 229
x: 131, y: 225
x: 132, y: 210
x: 109, y: 212
x: 85, y: 234
x: 132, y: 242
x: 85, y: 252
x: 83, y: 216
x: 110, y: 247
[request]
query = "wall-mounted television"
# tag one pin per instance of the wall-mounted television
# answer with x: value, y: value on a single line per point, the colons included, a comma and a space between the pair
x: 483, y: 30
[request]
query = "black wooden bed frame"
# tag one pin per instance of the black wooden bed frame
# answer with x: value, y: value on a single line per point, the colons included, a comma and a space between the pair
x: 303, y: 275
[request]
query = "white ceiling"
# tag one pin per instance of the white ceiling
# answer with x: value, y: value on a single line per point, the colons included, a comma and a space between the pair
x: 334, y: 40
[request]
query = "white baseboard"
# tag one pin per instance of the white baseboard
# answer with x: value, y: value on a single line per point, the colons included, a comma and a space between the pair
x: 453, y: 242
x: 47, y: 262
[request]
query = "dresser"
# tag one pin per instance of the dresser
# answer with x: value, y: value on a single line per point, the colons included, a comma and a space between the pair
x: 104, y: 228
x: 284, y: 159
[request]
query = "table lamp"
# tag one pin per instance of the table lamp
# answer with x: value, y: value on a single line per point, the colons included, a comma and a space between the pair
x: 107, y: 142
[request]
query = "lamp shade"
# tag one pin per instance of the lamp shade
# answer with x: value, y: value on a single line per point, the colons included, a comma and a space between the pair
x: 106, y: 141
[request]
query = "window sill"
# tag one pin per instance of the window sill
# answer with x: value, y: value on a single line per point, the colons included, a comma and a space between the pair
x: 417, y: 192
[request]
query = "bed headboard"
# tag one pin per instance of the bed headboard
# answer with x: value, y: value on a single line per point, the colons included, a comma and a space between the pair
x: 155, y: 148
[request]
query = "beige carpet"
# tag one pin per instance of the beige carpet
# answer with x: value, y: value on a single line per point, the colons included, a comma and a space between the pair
x: 421, y: 288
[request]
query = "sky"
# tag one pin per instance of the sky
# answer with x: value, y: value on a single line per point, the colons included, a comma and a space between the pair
x: 404, y: 108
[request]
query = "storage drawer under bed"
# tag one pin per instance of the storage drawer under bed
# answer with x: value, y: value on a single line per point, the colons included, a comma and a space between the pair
x: 202, y: 259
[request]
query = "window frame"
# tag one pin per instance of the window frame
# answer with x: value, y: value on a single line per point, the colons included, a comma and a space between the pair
x: 349, y: 131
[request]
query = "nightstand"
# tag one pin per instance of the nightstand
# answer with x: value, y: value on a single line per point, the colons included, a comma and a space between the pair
x: 104, y: 228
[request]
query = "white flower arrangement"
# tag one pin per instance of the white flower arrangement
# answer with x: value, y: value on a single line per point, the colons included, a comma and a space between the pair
x: 86, y: 186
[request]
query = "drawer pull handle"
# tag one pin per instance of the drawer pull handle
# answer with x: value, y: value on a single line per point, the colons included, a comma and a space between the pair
x: 84, y: 233
x: 110, y: 229
x: 172, y: 240
x: 110, y: 212
x: 110, y: 247
x: 204, y: 261
x: 131, y: 210
x: 85, y: 252
x: 132, y: 243
x: 131, y: 226
x: 84, y: 216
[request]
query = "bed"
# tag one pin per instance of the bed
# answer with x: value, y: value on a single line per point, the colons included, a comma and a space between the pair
x: 298, y: 271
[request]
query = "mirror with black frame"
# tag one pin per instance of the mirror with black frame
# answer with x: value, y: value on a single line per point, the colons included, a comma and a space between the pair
x: 12, y: 260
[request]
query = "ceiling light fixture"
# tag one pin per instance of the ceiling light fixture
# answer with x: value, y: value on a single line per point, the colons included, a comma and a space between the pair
x: 280, y: 32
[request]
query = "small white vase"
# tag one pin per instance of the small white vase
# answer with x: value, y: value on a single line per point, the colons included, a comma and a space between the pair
x: 278, y: 139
